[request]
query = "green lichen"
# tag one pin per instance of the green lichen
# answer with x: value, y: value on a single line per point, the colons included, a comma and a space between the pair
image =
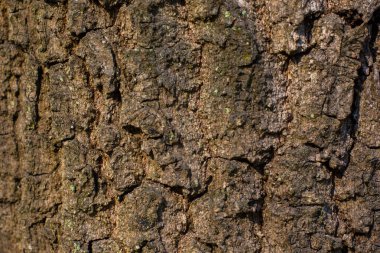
x: 69, y: 224
x: 73, y: 188
x: 247, y: 58
x: 172, y: 136
x: 31, y: 126
x: 137, y: 248
x: 77, y: 247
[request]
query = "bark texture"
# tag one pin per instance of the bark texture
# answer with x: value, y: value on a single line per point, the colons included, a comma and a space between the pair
x: 189, y: 126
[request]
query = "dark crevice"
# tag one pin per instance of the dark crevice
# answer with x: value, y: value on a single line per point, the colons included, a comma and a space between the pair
x: 96, y: 115
x: 78, y: 37
x: 142, y: 245
x: 99, y: 161
x: 251, y: 76
x: 375, y: 163
x: 50, y: 64
x: 112, y: 9
x: 212, y: 246
x: 154, y: 8
x: 55, y: 2
x: 127, y: 191
x: 370, y: 230
x: 38, y: 93
x: 333, y: 184
x: 259, y: 167
x: 307, y: 26
x: 313, y: 145
x: 97, y: 3
x: 334, y: 172
x: 58, y: 145
x: 374, y: 31
x: 132, y: 129
x: 180, y: 190
x: 8, y: 202
x: 199, y: 195
x: 15, y: 119
x: 254, y: 217
x: 372, y: 147
x: 102, y: 207
x: 176, y: 188
x: 177, y: 2
x: 344, y: 249
x: 16, y: 114
x: 115, y: 95
x: 306, y: 205
x: 305, y: 29
x: 297, y: 56
x: 41, y: 221
x: 352, y: 17
x: 96, y: 181
x: 90, y: 249
x: 350, y: 125
x: 31, y: 174
x: 160, y: 213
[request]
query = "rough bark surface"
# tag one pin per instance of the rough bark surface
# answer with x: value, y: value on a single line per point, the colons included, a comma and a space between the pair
x: 189, y: 126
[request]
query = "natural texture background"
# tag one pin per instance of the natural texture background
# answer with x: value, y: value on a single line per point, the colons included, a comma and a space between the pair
x: 189, y: 126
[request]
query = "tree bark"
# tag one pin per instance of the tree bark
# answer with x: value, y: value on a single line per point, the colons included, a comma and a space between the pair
x: 189, y: 126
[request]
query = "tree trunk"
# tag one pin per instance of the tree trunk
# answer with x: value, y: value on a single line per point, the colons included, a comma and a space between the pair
x: 189, y: 126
